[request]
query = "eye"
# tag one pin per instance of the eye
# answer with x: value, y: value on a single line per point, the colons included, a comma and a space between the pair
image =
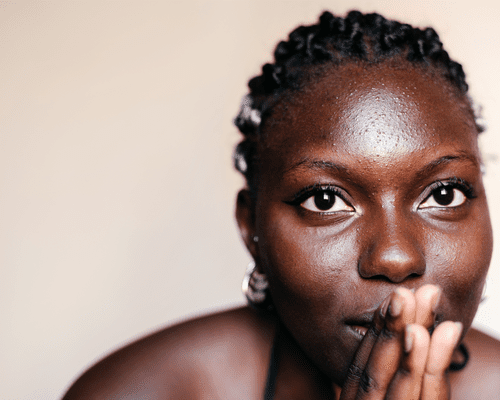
x: 325, y: 201
x: 444, y: 197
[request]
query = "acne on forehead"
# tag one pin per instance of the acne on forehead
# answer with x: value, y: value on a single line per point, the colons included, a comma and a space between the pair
x: 390, y: 122
x: 377, y: 109
x: 379, y: 122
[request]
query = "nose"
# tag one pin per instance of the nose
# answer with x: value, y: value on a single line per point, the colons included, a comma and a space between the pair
x: 393, y: 250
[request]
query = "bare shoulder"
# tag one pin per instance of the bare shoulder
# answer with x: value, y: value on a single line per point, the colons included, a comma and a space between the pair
x: 481, y: 377
x: 222, y: 355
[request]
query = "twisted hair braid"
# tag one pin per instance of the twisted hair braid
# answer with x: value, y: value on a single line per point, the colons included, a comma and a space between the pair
x: 364, y: 37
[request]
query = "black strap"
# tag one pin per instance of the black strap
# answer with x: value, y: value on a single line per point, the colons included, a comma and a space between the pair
x: 460, y: 365
x: 272, y: 373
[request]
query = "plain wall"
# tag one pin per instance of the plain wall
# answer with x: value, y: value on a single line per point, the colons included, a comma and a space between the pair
x: 116, y: 184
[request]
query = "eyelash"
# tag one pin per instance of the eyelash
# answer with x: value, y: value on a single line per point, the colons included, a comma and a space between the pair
x: 312, y: 190
x: 455, y: 183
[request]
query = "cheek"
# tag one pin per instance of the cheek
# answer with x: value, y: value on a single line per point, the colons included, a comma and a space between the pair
x: 459, y: 263
x: 310, y: 270
x: 311, y: 278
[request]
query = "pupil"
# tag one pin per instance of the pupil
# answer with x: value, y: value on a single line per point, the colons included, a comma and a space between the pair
x: 443, y: 196
x: 324, y: 200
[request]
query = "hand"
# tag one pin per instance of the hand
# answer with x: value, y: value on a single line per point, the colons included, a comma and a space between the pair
x: 397, y: 358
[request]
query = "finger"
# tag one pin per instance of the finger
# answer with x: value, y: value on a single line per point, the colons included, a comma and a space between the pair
x: 351, y: 382
x: 427, y: 298
x: 407, y: 382
x: 444, y: 340
x: 387, y: 351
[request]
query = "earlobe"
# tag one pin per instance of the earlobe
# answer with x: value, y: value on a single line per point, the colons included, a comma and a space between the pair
x: 245, y: 216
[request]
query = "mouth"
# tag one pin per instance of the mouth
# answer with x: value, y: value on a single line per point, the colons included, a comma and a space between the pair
x: 359, y: 329
x: 360, y: 325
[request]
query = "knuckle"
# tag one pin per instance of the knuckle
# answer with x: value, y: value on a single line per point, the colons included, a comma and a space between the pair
x: 375, y: 330
x: 354, y: 373
x: 367, y: 384
x: 387, y: 334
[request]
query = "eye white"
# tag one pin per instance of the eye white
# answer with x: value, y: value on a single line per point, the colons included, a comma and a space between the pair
x: 457, y: 200
x: 326, y: 201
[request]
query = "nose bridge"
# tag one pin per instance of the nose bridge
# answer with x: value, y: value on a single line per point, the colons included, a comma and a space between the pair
x: 393, y: 249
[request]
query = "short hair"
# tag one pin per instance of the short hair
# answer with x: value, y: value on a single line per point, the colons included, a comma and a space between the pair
x: 334, y: 40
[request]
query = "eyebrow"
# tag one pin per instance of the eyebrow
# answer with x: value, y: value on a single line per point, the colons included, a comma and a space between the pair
x: 425, y: 171
x: 435, y: 164
x: 318, y: 164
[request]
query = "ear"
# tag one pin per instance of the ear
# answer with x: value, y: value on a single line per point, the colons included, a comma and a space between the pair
x: 245, y: 216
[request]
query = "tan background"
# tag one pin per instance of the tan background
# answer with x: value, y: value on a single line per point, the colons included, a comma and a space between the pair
x: 116, y: 186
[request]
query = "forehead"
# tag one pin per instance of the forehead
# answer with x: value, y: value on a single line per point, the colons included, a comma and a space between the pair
x: 365, y: 110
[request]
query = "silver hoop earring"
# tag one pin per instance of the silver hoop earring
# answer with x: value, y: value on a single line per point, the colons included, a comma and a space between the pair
x: 254, y: 285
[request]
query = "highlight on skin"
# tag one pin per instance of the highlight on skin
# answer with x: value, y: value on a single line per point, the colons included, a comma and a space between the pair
x: 366, y: 217
x: 333, y: 41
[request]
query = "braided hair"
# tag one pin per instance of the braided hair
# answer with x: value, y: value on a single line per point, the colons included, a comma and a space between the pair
x: 333, y: 40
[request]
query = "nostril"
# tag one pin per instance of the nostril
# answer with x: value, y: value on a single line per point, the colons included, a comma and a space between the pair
x: 396, y: 263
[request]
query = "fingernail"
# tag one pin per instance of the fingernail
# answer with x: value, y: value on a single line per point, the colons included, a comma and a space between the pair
x: 408, y: 338
x: 396, y: 305
x: 385, y: 305
x: 436, y: 300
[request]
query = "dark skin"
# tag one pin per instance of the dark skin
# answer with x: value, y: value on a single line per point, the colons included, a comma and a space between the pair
x: 375, y: 236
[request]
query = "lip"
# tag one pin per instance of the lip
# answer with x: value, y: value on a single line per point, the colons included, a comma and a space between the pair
x: 361, y: 323
x: 361, y: 326
x: 364, y: 319
x: 359, y: 330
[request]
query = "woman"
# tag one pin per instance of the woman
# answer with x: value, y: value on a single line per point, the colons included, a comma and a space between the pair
x: 366, y: 217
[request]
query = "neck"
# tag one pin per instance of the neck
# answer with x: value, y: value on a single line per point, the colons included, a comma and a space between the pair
x: 336, y: 391
x: 297, y: 376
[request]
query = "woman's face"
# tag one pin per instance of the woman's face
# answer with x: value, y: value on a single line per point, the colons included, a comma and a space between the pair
x: 369, y: 179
